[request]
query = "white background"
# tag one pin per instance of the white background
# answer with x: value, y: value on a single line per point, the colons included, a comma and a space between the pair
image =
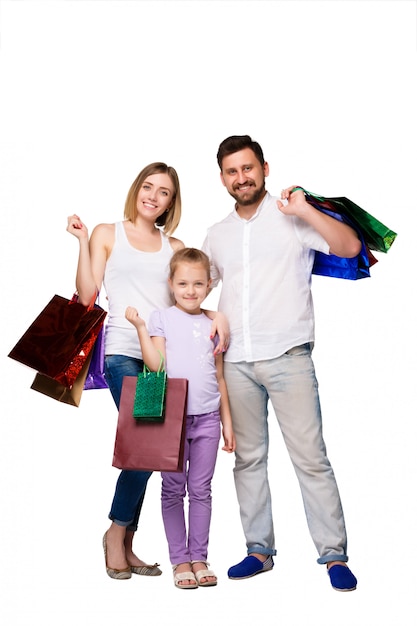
x: 90, y: 93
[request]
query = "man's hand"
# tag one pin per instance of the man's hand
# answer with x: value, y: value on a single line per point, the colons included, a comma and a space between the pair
x: 294, y: 202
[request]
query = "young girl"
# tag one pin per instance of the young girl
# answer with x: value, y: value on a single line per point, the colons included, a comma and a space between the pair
x: 181, y: 334
x: 131, y: 258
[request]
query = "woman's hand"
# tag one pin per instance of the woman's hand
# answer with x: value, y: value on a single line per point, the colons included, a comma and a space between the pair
x: 76, y: 227
x: 221, y: 326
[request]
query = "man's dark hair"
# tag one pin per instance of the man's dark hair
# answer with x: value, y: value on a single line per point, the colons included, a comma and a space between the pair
x: 235, y: 143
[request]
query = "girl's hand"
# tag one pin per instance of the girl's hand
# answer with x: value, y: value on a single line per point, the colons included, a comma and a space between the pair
x: 133, y: 317
x: 229, y: 440
x: 76, y: 227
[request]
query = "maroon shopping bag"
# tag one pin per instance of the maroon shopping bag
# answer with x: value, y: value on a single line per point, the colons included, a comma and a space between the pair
x: 152, y: 446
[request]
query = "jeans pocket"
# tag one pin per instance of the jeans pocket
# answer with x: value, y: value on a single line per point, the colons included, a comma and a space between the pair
x: 301, y: 350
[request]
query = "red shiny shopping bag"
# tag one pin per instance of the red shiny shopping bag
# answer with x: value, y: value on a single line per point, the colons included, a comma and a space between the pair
x: 59, y: 340
x: 152, y: 446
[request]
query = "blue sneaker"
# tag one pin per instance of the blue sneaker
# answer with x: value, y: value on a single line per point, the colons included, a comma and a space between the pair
x: 250, y: 566
x: 341, y: 578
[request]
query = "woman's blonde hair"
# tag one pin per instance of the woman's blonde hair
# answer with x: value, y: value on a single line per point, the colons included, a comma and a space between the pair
x: 189, y: 255
x: 169, y: 220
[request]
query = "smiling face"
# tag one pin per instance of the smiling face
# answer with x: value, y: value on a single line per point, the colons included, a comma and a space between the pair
x: 244, y: 177
x: 190, y: 284
x: 155, y: 196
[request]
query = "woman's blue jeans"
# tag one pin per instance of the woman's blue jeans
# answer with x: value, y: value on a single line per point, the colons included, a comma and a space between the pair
x: 131, y: 485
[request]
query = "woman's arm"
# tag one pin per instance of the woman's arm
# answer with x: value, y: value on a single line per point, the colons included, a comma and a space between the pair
x: 92, y: 257
x: 220, y: 326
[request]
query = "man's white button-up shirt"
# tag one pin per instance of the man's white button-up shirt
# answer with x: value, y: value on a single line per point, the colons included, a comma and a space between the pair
x: 264, y: 264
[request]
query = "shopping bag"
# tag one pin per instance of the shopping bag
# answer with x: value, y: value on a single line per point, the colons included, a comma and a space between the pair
x: 149, y: 402
x: 58, y: 342
x: 96, y: 378
x: 373, y: 234
x: 56, y: 390
x: 377, y: 236
x: 151, y: 446
x: 342, y: 267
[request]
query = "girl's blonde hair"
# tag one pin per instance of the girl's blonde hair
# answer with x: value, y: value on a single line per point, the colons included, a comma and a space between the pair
x: 169, y: 220
x: 189, y: 255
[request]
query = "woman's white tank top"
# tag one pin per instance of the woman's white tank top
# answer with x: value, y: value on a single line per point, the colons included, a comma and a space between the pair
x: 138, y: 279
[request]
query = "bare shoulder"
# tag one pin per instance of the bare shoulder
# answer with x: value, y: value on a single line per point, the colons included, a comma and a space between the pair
x: 176, y: 244
x: 104, y: 228
x: 103, y: 233
x: 102, y: 239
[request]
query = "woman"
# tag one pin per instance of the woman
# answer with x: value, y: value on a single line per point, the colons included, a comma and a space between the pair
x: 131, y: 259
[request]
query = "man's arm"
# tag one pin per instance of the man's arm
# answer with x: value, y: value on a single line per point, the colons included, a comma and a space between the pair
x: 342, y: 239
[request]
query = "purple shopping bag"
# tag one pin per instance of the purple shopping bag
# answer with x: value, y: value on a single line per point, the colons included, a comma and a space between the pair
x: 96, y: 378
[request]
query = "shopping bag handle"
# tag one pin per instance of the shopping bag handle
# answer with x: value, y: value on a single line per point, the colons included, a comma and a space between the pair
x: 90, y: 306
x: 161, y: 367
x: 308, y: 193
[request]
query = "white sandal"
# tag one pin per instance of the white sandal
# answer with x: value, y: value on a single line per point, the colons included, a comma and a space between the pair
x: 184, y: 576
x: 205, y: 573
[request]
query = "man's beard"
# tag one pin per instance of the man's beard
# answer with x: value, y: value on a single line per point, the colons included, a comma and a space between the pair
x: 253, y: 198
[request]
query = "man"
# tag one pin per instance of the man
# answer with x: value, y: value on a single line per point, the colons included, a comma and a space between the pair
x: 263, y: 253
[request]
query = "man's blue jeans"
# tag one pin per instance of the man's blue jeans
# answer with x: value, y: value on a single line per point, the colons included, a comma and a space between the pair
x: 131, y: 485
x: 289, y: 382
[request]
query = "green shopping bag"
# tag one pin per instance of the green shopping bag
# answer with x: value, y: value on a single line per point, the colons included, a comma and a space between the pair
x: 376, y: 235
x: 372, y: 233
x: 149, y: 402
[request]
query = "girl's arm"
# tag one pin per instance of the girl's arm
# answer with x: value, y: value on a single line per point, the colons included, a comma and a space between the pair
x: 152, y: 347
x: 225, y: 415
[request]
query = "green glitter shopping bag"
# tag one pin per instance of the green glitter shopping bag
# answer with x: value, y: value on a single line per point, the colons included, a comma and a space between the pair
x: 149, y: 403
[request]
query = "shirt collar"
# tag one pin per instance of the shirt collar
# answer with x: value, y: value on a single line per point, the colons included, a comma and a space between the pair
x: 264, y: 200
